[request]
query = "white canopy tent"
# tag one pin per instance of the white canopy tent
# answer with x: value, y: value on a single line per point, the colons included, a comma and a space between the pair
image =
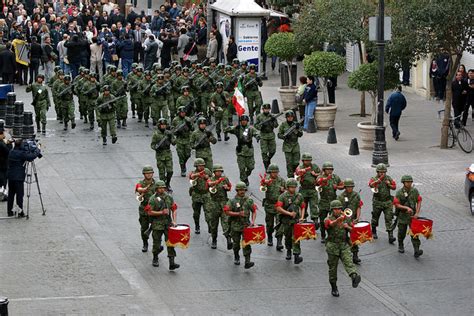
x: 246, y: 8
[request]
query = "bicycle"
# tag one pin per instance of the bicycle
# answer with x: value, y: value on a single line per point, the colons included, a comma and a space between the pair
x: 458, y: 134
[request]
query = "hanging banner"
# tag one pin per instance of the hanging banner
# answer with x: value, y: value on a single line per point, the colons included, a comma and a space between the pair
x: 248, y: 40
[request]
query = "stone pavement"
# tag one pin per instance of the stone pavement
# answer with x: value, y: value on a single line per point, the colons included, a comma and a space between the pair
x: 84, y: 256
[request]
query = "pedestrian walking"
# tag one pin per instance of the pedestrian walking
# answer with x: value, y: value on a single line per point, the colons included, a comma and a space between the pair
x: 396, y: 103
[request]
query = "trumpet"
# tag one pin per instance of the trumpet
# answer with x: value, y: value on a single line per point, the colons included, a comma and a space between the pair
x: 348, y: 212
x: 319, y: 188
x: 263, y: 188
x: 140, y: 198
x: 193, y: 182
x: 213, y: 190
x: 375, y: 190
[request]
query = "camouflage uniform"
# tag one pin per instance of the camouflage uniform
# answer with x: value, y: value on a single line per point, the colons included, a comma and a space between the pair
x: 291, y: 147
x: 40, y: 103
x: 107, y: 115
x: 160, y: 92
x: 183, y: 139
x: 328, y: 193
x: 57, y: 104
x: 200, y: 195
x: 267, y: 135
x: 56, y: 90
x: 91, y: 93
x: 143, y: 217
x: 205, y: 87
x: 219, y: 109
x: 67, y: 102
x: 274, y: 187
x: 250, y: 83
x: 161, y: 142
x: 79, y: 91
x: 119, y: 89
x: 307, y: 178
x: 201, y: 140
x: 147, y: 98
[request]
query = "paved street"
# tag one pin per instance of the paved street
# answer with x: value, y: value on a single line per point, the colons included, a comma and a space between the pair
x: 84, y: 256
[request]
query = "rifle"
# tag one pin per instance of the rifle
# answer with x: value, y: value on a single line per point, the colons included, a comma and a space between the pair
x: 203, y: 137
x: 268, y: 119
x: 67, y: 89
x: 189, y: 107
x: 293, y: 128
x: 134, y: 86
x: 256, y: 79
x: 179, y: 127
x: 231, y: 84
x: 91, y: 90
x: 164, y: 86
x: 101, y: 106
x: 148, y: 87
x: 162, y: 141
x: 205, y: 82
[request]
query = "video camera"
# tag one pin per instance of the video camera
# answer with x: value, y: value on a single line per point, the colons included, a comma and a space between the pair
x: 32, y: 146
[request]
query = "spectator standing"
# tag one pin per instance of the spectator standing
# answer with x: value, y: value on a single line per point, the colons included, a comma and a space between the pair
x: 5, y: 147
x: 459, y: 88
x: 231, y: 53
x: 310, y: 97
x: 300, y: 95
x: 183, y: 40
x: 7, y: 64
x: 50, y: 58
x: 150, y: 48
x: 168, y: 44
x: 212, y: 47
x: 110, y: 52
x: 35, y: 58
x: 470, y: 94
x: 62, y: 51
x: 96, y: 57
x: 74, y: 46
x: 396, y: 103
x: 126, y: 53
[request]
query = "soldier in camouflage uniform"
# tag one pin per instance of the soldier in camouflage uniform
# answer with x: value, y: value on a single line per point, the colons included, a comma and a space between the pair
x: 205, y: 88
x: 408, y: 204
x: 186, y: 100
x: 170, y: 97
x: 55, y: 91
x: 243, y: 68
x: 352, y: 201
x: 290, y: 208
x: 307, y: 173
x: 217, y: 202
x: 91, y: 93
x: 145, y: 189
x: 245, y: 154
x: 229, y: 81
x: 56, y: 77
x: 382, y: 201
x: 218, y: 108
x: 273, y: 185
x: 183, y: 127
x: 291, y: 147
x: 119, y: 89
x: 337, y: 246
x: 67, y: 98
x: 329, y: 183
x: 162, y: 212
x: 242, y: 212
x: 200, y: 194
x: 160, y: 92
x: 108, y: 77
x: 266, y: 123
x: 251, y: 82
x: 41, y: 103
x: 132, y: 80
x: 79, y: 91
x: 144, y: 90
x: 107, y: 114
x: 161, y: 142
x: 182, y: 81
x: 235, y: 65
x: 201, y: 140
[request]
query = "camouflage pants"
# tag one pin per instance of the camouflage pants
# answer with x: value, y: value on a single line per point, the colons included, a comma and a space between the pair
x: 58, y: 108
x: 159, y: 110
x: 311, y: 201
x: 122, y: 109
x: 217, y: 213
x: 205, y: 154
x: 287, y: 231
x: 157, y: 235
x: 246, y: 165
x: 82, y: 106
x: 40, y: 113
x: 197, y: 205
x: 172, y: 107
x: 145, y: 222
x: 203, y: 105
x: 91, y: 111
x: 377, y: 210
x: 402, y: 232
x: 254, y: 102
x: 164, y: 163
x: 268, y: 150
x: 270, y: 217
x: 237, y: 237
x: 292, y: 161
x: 68, y: 111
x: 184, y: 152
x: 336, y: 252
x: 146, y: 110
x: 323, y: 213
x: 107, y: 119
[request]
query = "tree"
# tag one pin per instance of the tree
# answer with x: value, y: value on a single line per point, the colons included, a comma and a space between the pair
x: 366, y: 79
x: 282, y: 45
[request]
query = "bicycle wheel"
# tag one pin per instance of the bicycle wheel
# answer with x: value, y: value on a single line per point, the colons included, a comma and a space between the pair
x: 464, y: 140
x: 451, y: 140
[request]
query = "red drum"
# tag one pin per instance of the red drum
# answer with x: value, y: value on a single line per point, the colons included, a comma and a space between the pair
x: 179, y: 236
x: 304, y: 231
x: 361, y: 232
x: 421, y: 226
x: 253, y: 235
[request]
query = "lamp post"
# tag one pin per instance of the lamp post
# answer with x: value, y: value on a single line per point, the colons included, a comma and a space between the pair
x: 380, y: 154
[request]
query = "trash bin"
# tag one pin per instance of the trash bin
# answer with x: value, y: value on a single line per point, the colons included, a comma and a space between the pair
x: 3, y: 306
x: 284, y: 74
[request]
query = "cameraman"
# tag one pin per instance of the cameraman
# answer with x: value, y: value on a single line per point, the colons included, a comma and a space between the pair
x: 16, y: 173
x: 4, y: 151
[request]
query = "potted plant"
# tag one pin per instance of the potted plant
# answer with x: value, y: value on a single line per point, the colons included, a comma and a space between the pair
x: 283, y: 46
x: 324, y: 65
x: 365, y: 78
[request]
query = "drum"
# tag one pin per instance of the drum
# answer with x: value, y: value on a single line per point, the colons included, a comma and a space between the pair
x: 179, y: 236
x: 304, y: 231
x: 253, y: 235
x: 421, y: 226
x: 361, y: 232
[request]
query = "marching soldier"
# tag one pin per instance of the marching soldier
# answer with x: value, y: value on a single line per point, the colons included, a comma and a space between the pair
x: 67, y: 102
x: 199, y: 193
x: 229, y: 81
x: 218, y: 108
x: 109, y: 75
x: 186, y: 100
x: 337, y: 246
x: 161, y: 142
x: 56, y: 77
x: 307, y: 173
x: 147, y: 98
x: 91, y: 93
x: 242, y: 212
x: 381, y: 184
x: 132, y: 83
x: 251, y: 82
x: 182, y: 81
x: 40, y: 102
x: 201, y: 140
x: 273, y: 185
x: 205, y: 87
x: 219, y: 185
x: 329, y: 183
x: 170, y: 97
x: 289, y: 132
x: 56, y: 90
x: 245, y: 154
x: 106, y: 111
x: 235, y: 66
x: 290, y: 208
x: 144, y: 190
x: 183, y: 127
x: 243, y: 68
x: 160, y: 92
x: 118, y: 88
x: 162, y: 211
x: 351, y: 200
x: 266, y: 123
x: 78, y: 90
x: 408, y: 204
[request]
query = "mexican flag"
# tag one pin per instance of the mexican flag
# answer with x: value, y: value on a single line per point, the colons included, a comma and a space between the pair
x: 238, y: 100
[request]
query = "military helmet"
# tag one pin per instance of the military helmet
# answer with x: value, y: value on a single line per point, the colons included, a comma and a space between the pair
x: 194, y: 62
x: 291, y: 182
x: 40, y: 76
x: 60, y: 72
x: 252, y: 66
x: 335, y: 204
x: 328, y: 165
x: 160, y: 77
x: 108, y: 67
x: 307, y: 156
x: 381, y: 167
x: 182, y: 108
x: 228, y: 67
x: 212, y: 60
x: 184, y: 88
x: 217, y: 167
x: 266, y: 106
x: 273, y: 168
x: 113, y: 68
x: 106, y: 87
x: 289, y: 113
x: 199, y: 162
x: 56, y: 68
x: 202, y: 120
x: 147, y: 73
x: 67, y: 78
x: 244, y: 117
x: 235, y: 61
x: 160, y: 184
x: 86, y: 71
x: 134, y: 65
x: 219, y: 85
x: 81, y: 68
x: 198, y: 66
x: 139, y: 68
x: 119, y: 72
x: 174, y: 63
x: 162, y: 120
x: 167, y: 71
x: 185, y: 69
x: 156, y: 66
x: 243, y: 62
x: 220, y: 66
x: 407, y: 178
x: 240, y: 186
x: 147, y: 169
x: 348, y: 182
x: 177, y: 67
x: 206, y: 68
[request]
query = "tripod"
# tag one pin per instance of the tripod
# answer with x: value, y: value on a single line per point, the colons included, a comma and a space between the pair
x: 30, y: 171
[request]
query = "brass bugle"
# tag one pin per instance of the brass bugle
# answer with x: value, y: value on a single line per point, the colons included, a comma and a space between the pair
x: 193, y: 183
x: 263, y: 188
x: 348, y: 212
x: 375, y: 190
x: 140, y: 198
x: 319, y: 188
x: 213, y: 190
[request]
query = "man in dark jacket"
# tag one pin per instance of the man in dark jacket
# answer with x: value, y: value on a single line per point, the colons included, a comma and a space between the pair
x: 35, y: 58
x: 151, y: 48
x: 126, y: 53
x: 7, y: 64
x: 396, y: 103
x: 4, y: 151
x: 16, y: 175
x: 459, y: 88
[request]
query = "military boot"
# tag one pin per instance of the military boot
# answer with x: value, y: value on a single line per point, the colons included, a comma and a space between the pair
x: 279, y: 246
x: 288, y: 254
x: 226, y: 137
x: 355, y: 257
x: 92, y: 126
x: 119, y: 124
x: 146, y: 123
x: 401, y: 249
x: 214, y: 243
x: 183, y: 170
x: 104, y: 141
x: 145, y: 246
x: 197, y: 230
x: 155, y: 260
x: 230, y: 244
x: 219, y: 137
x: 114, y: 139
x: 65, y: 126
x: 374, y: 232
x: 270, y: 240
x: 43, y: 128
x: 248, y: 263
x: 355, y: 280
x: 85, y: 119
x: 140, y: 117
x: 236, y: 258
x: 418, y: 252
x: 38, y: 127
x: 168, y: 182
x: 124, y: 123
x: 323, y: 235
x: 173, y: 265
x: 73, y: 124
x: 334, y: 290
x: 298, y: 259
x: 391, y: 239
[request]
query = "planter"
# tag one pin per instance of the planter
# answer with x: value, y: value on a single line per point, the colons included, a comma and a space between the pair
x: 367, y: 134
x: 287, y: 97
x: 325, y: 116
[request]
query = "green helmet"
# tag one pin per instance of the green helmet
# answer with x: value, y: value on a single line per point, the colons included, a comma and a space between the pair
x: 160, y: 77
x: 162, y: 121
x: 160, y: 184
x: 174, y: 63
x: 291, y: 182
x: 105, y: 88
x: 289, y: 113
x: 381, y: 167
x: 182, y: 108
x: 166, y: 71
x: 243, y: 62
x: 220, y: 66
x: 252, y: 66
x: 206, y: 68
x: 198, y: 66
x: 266, y: 106
x: 81, y: 68
x: 185, y: 69
x: 86, y: 71
x: 407, y: 178
x: 235, y: 61
x: 147, y: 73
x: 134, y: 65
x: 217, y: 167
x: 202, y: 120
x: 348, y: 182
x: 184, y: 88
x: 57, y: 68
x: 212, y: 60
x: 147, y: 169
x: 67, y: 78
x: 40, y: 76
x: 273, y: 168
x: 156, y: 66
x: 228, y: 67
x: 328, y: 165
x: 113, y: 68
x: 307, y: 156
x: 240, y: 186
x: 119, y: 73
x: 60, y: 72
x: 199, y: 162
x: 219, y: 85
x: 244, y: 117
x: 177, y: 67
x: 139, y: 68
x: 335, y: 204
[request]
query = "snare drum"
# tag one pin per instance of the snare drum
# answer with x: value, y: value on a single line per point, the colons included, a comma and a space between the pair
x: 253, y: 235
x: 179, y: 236
x: 304, y: 231
x: 421, y: 226
x: 361, y: 232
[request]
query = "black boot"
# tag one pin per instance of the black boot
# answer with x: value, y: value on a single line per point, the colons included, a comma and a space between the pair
x: 183, y: 170
x: 279, y: 246
x: 65, y: 125
x: 219, y: 137
x: 43, y: 129
x: 248, y: 263
x: 104, y: 141
x: 270, y: 240
x: 298, y: 259
x: 145, y: 246
x: 401, y: 248
x: 114, y: 139
x: 418, y: 252
x: 374, y: 232
x: 391, y: 239
x: 85, y: 119
x: 155, y: 260
x: 230, y: 244
x: 355, y: 280
x: 21, y: 214
x: 92, y: 126
x: 124, y: 123
x: 236, y: 258
x: 323, y: 235
x: 38, y: 127
x: 226, y: 137
x: 146, y: 123
x: 355, y: 258
x: 334, y: 291
x: 73, y: 124
x: 288, y: 255
x: 197, y: 231
x: 173, y: 265
x: 168, y: 182
x: 214, y: 243
x: 140, y: 117
x: 119, y: 124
